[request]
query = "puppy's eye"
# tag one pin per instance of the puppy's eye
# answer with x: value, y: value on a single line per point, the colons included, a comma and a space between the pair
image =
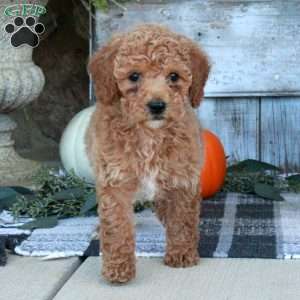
x: 134, y: 77
x: 173, y: 77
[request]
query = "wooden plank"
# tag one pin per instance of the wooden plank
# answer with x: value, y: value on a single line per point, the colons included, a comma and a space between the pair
x: 280, y: 132
x: 235, y: 121
x: 254, y: 45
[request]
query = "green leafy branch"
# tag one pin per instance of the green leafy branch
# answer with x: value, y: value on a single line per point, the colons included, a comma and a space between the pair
x: 255, y: 177
x: 100, y: 4
x: 58, y: 196
x: 66, y: 195
x: 104, y: 4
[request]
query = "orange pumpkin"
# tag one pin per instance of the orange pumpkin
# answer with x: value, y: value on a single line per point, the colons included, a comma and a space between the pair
x: 214, y: 169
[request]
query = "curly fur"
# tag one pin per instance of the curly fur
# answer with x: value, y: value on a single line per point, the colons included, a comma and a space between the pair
x: 130, y: 151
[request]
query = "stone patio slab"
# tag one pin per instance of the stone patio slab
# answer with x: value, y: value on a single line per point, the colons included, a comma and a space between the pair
x: 213, y: 279
x: 27, y: 278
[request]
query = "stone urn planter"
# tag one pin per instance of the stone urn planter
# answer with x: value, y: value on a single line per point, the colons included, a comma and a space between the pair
x: 21, y: 82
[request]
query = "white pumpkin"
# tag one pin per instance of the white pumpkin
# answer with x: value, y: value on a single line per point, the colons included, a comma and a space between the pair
x: 72, y: 146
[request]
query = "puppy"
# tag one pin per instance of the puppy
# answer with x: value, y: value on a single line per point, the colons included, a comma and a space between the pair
x: 145, y: 136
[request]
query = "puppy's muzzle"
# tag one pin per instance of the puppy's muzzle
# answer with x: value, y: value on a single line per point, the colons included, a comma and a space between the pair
x: 157, y: 108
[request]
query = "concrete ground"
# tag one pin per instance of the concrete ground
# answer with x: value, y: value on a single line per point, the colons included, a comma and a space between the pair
x: 25, y: 278
x: 213, y: 279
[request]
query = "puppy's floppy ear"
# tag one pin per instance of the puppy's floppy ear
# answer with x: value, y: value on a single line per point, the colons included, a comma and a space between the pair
x: 101, y: 68
x: 200, y: 71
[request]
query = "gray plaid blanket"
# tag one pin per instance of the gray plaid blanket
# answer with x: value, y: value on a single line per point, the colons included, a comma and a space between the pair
x: 232, y: 225
x: 237, y: 225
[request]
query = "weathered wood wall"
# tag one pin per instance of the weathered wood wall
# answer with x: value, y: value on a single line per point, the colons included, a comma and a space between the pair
x: 265, y: 128
x: 253, y: 93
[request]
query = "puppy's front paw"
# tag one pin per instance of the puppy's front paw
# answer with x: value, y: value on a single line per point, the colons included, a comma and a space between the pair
x: 181, y: 260
x: 119, y: 273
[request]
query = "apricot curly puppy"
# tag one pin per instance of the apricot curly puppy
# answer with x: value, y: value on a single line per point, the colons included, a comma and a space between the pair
x: 144, y: 136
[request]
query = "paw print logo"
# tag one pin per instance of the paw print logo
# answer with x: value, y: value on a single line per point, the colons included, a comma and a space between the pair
x: 24, y: 32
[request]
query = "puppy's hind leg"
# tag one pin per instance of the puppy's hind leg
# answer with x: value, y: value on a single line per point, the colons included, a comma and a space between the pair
x: 181, y: 218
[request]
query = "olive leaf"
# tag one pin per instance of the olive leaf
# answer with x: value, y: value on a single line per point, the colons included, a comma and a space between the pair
x: 252, y: 165
x: 47, y: 222
x: 8, y: 196
x: 267, y: 191
x: 22, y: 190
x: 6, y: 192
x: 89, y: 204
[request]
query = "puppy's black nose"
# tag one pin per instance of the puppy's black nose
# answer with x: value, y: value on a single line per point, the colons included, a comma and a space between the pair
x: 156, y: 107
